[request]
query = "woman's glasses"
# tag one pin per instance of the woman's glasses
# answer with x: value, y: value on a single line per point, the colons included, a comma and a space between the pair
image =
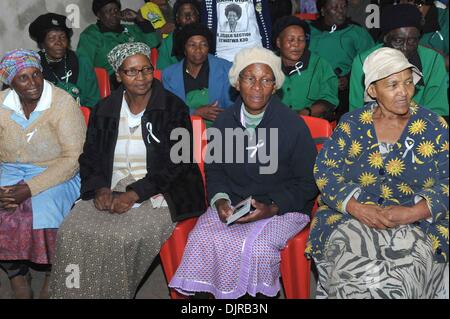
x: 251, y: 81
x: 147, y: 70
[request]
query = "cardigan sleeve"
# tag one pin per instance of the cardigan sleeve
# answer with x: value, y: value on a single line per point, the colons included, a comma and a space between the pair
x: 437, y: 195
x: 329, y: 169
x: 90, y: 161
x: 301, y: 189
x: 70, y: 128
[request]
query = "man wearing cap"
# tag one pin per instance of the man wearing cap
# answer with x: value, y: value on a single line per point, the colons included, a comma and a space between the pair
x: 401, y: 27
x: 381, y: 230
x: 98, y: 39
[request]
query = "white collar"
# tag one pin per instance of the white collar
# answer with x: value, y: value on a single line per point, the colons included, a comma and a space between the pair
x: 12, y: 100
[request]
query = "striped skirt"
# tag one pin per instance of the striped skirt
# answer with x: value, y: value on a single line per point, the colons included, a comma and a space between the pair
x: 231, y: 261
x: 362, y: 262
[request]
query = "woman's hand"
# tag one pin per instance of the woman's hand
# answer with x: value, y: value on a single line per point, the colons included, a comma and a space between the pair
x: 261, y: 211
x: 370, y: 215
x: 123, y: 202
x: 129, y: 15
x: 12, y: 196
x: 223, y: 209
x: 103, y: 198
x: 401, y: 215
x: 209, y: 112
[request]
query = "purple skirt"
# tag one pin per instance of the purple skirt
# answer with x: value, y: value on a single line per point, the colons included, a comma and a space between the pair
x: 18, y: 240
x: 231, y: 261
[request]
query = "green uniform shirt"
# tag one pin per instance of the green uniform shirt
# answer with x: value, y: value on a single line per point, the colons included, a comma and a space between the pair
x: 95, y: 45
x: 87, y: 83
x: 439, y: 39
x: 317, y: 82
x: 165, y: 57
x: 341, y: 46
x: 432, y: 96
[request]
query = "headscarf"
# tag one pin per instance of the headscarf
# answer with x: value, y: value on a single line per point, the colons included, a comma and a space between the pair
x: 15, y: 61
x: 125, y: 50
x: 384, y: 62
x: 249, y: 56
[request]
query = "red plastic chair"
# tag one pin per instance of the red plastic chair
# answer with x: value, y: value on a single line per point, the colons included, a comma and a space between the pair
x: 157, y: 74
x: 172, y: 250
x: 154, y: 56
x: 103, y: 82
x: 307, y: 16
x: 295, y: 267
x: 86, y: 112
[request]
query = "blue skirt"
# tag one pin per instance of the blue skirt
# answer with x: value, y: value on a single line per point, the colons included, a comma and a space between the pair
x: 50, y: 206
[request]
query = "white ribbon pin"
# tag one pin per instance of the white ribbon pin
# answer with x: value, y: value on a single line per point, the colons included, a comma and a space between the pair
x: 298, y: 66
x: 30, y: 135
x: 333, y: 28
x: 67, y: 76
x: 150, y: 133
x: 409, y: 144
x: 254, y: 149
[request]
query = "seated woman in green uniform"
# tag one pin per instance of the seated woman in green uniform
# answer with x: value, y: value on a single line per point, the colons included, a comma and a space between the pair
x: 311, y: 86
x: 185, y: 12
x: 400, y: 27
x: 200, y: 79
x: 60, y: 65
x: 338, y: 40
x: 98, y: 39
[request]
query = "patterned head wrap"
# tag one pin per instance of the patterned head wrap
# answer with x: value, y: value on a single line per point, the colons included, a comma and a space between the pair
x: 17, y: 60
x: 125, y: 50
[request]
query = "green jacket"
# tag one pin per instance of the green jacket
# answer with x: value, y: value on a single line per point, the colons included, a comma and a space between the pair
x: 317, y: 82
x: 432, y: 96
x: 95, y: 45
x: 341, y: 46
x: 87, y: 83
x: 165, y: 57
x: 439, y: 39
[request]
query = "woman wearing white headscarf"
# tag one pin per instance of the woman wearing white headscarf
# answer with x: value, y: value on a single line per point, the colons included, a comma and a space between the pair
x: 381, y: 230
x: 230, y: 261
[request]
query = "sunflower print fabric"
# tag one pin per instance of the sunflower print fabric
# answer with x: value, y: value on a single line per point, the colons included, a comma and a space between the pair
x: 415, y: 168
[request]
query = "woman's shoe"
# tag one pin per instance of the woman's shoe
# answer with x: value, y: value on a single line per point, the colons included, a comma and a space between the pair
x: 21, y: 286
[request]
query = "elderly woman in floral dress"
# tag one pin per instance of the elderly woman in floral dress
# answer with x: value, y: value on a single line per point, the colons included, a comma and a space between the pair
x: 382, y: 228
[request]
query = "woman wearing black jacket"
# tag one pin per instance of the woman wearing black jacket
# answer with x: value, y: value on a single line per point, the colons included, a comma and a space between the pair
x: 131, y: 188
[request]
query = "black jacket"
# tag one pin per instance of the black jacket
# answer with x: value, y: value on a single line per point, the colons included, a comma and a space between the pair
x: 292, y: 187
x: 181, y: 184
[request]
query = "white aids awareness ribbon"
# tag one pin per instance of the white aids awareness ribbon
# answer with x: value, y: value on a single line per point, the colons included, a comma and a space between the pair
x: 298, y: 66
x: 333, y: 28
x: 409, y: 144
x: 254, y: 149
x: 150, y: 133
x: 67, y: 76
